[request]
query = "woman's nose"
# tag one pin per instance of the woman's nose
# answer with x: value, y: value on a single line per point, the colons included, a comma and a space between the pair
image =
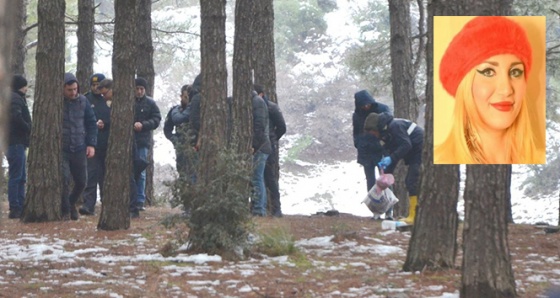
x: 504, y: 86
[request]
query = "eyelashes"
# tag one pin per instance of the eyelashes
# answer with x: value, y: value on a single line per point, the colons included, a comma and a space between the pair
x: 490, y: 72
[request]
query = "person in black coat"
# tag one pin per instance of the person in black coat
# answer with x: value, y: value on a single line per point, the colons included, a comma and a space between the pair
x: 20, y: 131
x: 276, y: 129
x: 146, y: 118
x: 261, y: 150
x: 369, y: 149
x: 403, y: 139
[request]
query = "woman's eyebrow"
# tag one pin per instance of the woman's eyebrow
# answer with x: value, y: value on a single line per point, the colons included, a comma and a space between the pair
x: 494, y: 63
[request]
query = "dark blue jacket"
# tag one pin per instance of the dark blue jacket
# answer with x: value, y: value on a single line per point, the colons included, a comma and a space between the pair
x: 102, y: 112
x: 398, y: 143
x: 20, y: 120
x: 146, y: 112
x: 369, y: 149
x: 79, y: 126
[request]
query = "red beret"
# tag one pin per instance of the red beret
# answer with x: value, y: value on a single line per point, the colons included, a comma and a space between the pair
x: 481, y: 38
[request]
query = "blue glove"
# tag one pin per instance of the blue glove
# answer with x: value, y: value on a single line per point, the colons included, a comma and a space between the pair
x: 385, y: 162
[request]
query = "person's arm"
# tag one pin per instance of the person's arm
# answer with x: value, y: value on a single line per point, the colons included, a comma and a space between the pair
x: 168, y: 126
x: 155, y: 117
x: 402, y: 140
x: 16, y: 113
x: 90, y: 124
x: 278, y: 120
x: 259, y: 125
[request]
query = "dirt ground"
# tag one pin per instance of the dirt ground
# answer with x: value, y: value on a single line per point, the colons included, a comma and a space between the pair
x: 340, y: 256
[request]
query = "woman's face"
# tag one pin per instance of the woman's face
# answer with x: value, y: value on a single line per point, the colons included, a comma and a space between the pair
x: 498, y: 89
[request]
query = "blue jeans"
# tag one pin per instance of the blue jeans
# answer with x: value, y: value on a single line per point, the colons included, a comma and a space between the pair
x: 141, y: 182
x: 16, y: 170
x: 259, y: 189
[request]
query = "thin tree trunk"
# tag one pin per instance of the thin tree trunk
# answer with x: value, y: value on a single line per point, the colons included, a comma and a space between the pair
x: 19, y: 51
x: 433, y: 243
x: 115, y: 209
x: 8, y: 29
x: 86, y: 42
x: 44, y: 186
x: 509, y: 213
x: 145, y: 68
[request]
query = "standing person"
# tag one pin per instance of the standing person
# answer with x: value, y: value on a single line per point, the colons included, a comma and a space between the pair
x: 177, y: 120
x: 20, y: 132
x: 369, y: 149
x: 100, y: 100
x: 276, y: 129
x: 146, y: 119
x: 79, y: 138
x: 261, y: 151
x: 403, y: 139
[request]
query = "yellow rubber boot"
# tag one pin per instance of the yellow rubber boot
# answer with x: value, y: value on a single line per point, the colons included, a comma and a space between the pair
x: 411, y: 210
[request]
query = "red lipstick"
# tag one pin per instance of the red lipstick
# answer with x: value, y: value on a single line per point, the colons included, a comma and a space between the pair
x: 503, y: 106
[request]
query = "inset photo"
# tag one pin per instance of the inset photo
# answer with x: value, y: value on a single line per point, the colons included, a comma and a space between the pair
x: 489, y: 90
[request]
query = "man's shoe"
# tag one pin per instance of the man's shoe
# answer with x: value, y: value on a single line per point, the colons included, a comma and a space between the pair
x: 74, y: 213
x: 134, y: 214
x: 85, y: 211
x: 277, y: 214
x: 14, y: 214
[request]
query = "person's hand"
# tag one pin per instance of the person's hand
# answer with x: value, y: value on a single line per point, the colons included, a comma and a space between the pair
x: 100, y: 124
x: 385, y: 162
x: 138, y: 126
x: 90, y: 151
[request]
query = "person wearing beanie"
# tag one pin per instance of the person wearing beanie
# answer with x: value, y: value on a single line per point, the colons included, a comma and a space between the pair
x: 368, y: 146
x: 20, y: 132
x: 146, y: 118
x: 79, y: 138
x: 485, y: 69
x: 401, y: 139
x: 96, y: 164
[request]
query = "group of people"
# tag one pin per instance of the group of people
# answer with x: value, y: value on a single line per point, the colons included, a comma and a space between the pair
x: 85, y: 134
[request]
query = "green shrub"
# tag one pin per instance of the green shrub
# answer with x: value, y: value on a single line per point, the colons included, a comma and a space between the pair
x: 277, y: 242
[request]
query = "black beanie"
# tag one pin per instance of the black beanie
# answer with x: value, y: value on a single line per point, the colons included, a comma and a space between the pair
x: 18, y: 82
x: 141, y: 82
x: 371, y: 122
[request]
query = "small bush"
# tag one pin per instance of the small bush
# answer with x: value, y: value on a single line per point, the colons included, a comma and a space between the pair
x: 277, y: 242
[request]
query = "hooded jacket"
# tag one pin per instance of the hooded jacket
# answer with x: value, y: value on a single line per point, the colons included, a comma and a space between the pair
x: 369, y: 149
x: 79, y: 126
x: 399, y: 144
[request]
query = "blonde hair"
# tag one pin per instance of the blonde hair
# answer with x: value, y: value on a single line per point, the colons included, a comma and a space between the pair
x: 462, y: 145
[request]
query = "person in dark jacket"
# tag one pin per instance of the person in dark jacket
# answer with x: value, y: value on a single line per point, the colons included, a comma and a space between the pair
x: 194, y: 116
x: 369, y: 149
x: 177, y: 120
x: 403, y: 139
x: 276, y: 129
x: 20, y: 131
x: 79, y: 138
x: 146, y: 118
x: 96, y: 165
x: 261, y: 150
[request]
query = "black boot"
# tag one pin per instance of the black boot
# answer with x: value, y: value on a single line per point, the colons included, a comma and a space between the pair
x: 14, y: 214
x: 74, y: 213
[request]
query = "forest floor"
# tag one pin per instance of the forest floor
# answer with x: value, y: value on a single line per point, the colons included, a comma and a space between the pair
x: 337, y: 256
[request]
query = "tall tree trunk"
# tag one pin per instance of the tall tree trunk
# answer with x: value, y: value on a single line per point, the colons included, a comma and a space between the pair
x: 44, y: 187
x: 509, y: 213
x: 19, y: 51
x: 434, y: 237
x: 486, y: 269
x: 115, y: 209
x: 86, y: 42
x: 244, y: 42
x: 145, y: 69
x: 402, y: 79
x: 8, y: 29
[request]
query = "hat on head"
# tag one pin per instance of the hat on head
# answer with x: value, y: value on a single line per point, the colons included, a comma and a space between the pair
x: 141, y: 82
x: 481, y: 38
x: 96, y: 78
x: 18, y: 82
x: 106, y: 83
x: 371, y: 122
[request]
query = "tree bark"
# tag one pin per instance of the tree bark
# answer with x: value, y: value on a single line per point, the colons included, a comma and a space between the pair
x: 264, y: 59
x: 44, y: 186
x: 19, y: 51
x: 486, y: 269
x: 433, y: 244
x: 402, y: 78
x: 115, y: 209
x: 86, y: 43
x: 8, y: 29
x: 145, y: 68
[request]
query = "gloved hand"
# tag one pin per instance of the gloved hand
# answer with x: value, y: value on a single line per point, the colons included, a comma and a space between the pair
x: 385, y: 162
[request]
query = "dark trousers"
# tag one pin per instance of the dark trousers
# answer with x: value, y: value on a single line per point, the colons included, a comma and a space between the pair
x: 271, y: 182
x: 74, y: 166
x: 17, y: 176
x: 95, y: 176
